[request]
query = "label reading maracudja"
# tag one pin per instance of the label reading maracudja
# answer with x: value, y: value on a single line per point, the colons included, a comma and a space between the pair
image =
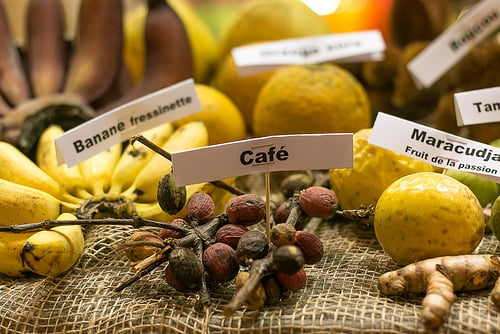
x: 264, y: 154
x: 117, y: 125
x: 435, y: 147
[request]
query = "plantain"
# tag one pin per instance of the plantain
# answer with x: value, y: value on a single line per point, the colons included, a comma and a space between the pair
x: 55, y: 251
x: 11, y: 245
x: 46, y: 47
x: 145, y: 186
x: 97, y: 170
x: 96, y: 60
x: 135, y: 156
x: 168, y: 53
x: 69, y: 178
x: 18, y: 168
x: 13, y: 82
x: 20, y: 204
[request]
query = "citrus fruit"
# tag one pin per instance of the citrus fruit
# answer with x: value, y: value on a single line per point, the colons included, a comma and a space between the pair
x: 311, y: 99
x: 267, y: 20
x: 242, y: 90
x: 222, y: 118
x: 202, y: 40
x: 495, y: 218
x: 374, y: 170
x: 426, y: 215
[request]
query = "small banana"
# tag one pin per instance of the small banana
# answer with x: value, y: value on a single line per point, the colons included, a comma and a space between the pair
x: 18, y: 168
x: 21, y: 204
x: 145, y: 186
x: 97, y: 170
x: 11, y: 245
x: 136, y: 156
x: 55, y: 251
x: 69, y: 178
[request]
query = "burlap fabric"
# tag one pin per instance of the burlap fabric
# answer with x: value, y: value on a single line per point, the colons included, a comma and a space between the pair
x: 341, y: 296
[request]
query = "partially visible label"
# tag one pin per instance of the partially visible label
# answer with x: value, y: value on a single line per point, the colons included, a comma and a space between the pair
x: 453, y: 44
x: 117, y: 125
x: 435, y: 147
x: 358, y: 46
x: 265, y: 154
x: 478, y: 106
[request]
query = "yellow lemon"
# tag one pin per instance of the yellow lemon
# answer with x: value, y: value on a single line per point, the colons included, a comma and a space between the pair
x: 222, y: 118
x: 267, y: 20
x: 311, y: 99
x: 426, y: 215
x: 242, y: 90
x: 202, y: 41
x: 374, y: 170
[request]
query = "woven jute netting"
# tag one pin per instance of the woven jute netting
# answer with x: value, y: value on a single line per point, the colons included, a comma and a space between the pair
x: 341, y: 295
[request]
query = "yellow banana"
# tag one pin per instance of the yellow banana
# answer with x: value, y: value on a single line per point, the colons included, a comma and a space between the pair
x: 69, y: 178
x: 55, y: 251
x: 18, y: 168
x: 97, y: 170
x: 153, y: 210
x: 11, y: 245
x: 145, y: 186
x: 136, y: 156
x: 21, y: 204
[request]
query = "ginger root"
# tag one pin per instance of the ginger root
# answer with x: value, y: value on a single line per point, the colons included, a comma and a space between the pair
x: 438, y: 278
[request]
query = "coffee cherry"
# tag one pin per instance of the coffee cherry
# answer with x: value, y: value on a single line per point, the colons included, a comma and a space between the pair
x: 138, y: 253
x: 318, y: 202
x: 220, y: 262
x: 251, y: 246
x: 200, y: 208
x: 281, y: 213
x: 168, y: 233
x: 186, y: 267
x: 257, y: 298
x: 288, y: 259
x: 247, y: 209
x: 292, y: 282
x: 283, y: 234
x: 272, y: 289
x: 310, y: 245
x: 230, y: 234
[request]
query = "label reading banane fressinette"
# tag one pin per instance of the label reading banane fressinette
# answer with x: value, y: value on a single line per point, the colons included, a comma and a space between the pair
x: 264, y: 154
x: 118, y: 125
x: 438, y: 148
x: 478, y: 106
x: 361, y: 46
x: 454, y: 43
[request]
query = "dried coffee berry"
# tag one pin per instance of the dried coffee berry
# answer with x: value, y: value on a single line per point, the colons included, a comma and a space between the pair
x: 230, y: 234
x: 288, y: 259
x: 140, y: 252
x: 310, y: 245
x: 168, y: 233
x: 296, y: 182
x: 220, y: 262
x: 247, y: 209
x: 172, y: 281
x: 281, y: 213
x: 257, y: 298
x: 186, y: 267
x: 283, y: 234
x: 251, y: 246
x: 293, y: 282
x: 200, y: 208
x: 272, y: 288
x: 318, y: 202
x: 170, y: 197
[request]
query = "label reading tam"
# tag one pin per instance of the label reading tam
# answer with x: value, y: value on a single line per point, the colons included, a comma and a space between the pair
x: 478, y: 106
x: 358, y: 46
x: 435, y: 147
x: 264, y: 154
x: 118, y: 125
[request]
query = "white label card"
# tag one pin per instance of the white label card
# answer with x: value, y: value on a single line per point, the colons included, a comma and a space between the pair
x: 454, y: 43
x: 478, y: 106
x: 119, y: 124
x: 435, y: 147
x: 358, y: 46
x: 265, y: 154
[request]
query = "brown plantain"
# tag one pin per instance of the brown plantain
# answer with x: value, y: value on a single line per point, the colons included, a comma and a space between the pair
x: 97, y: 55
x: 46, y: 50
x: 13, y: 82
x: 168, y: 53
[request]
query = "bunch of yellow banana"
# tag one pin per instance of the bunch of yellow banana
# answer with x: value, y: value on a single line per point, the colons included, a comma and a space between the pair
x: 33, y: 192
